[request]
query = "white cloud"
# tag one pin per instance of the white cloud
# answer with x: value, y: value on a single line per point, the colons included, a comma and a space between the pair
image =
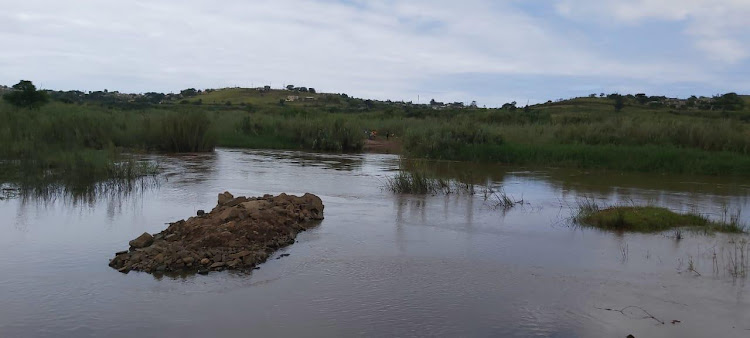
x: 719, y: 28
x: 385, y: 49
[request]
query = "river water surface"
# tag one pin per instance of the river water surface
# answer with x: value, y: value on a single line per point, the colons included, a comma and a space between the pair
x: 380, y: 264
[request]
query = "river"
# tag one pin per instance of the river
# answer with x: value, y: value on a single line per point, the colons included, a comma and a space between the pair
x: 380, y: 264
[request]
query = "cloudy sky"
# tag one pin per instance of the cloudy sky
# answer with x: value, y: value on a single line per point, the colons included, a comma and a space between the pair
x: 489, y: 51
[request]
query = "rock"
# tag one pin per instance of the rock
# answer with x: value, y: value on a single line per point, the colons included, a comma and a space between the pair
x: 225, y: 197
x: 121, y: 253
x: 124, y: 270
x: 240, y: 254
x: 142, y: 241
x: 229, y: 214
x: 316, y: 205
x: 283, y: 255
x: 203, y: 271
x: 239, y: 233
x: 255, y: 206
x: 201, y: 212
x: 235, y: 201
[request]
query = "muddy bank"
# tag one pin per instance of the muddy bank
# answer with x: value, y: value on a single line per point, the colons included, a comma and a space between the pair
x: 237, y: 234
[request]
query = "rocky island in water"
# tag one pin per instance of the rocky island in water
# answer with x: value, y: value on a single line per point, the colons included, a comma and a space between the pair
x: 238, y: 234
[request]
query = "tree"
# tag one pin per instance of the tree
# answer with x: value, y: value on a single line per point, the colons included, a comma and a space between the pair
x: 289, y: 87
x: 641, y: 98
x: 729, y: 101
x: 619, y: 102
x: 311, y: 90
x: 25, y: 95
x: 190, y: 92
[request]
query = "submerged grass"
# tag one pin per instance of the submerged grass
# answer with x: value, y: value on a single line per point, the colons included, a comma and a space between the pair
x: 419, y: 183
x: 649, y: 219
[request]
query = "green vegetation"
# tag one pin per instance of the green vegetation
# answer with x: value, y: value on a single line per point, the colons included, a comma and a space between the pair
x: 649, y: 219
x: 80, y: 145
x: 419, y: 183
x: 647, y: 134
x: 25, y: 95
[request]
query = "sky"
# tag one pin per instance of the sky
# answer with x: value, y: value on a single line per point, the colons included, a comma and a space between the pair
x: 413, y: 50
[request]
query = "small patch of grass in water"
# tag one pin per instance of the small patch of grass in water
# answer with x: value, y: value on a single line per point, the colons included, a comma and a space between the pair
x: 419, y: 183
x: 649, y: 219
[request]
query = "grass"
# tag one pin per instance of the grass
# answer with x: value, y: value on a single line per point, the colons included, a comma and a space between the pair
x: 80, y: 146
x: 419, y: 183
x: 581, y: 133
x: 648, y: 219
x: 500, y: 199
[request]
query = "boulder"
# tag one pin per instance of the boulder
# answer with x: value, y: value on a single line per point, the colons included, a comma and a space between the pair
x: 142, y: 241
x: 225, y: 197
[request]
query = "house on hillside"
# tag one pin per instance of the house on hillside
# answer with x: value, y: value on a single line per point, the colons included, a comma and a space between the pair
x: 292, y: 98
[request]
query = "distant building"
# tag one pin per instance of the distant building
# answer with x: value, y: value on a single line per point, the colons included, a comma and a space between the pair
x: 292, y: 98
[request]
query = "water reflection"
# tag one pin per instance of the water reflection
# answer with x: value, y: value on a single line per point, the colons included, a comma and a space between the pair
x: 380, y: 264
x: 342, y: 162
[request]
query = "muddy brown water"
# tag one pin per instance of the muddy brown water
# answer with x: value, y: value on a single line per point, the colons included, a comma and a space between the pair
x: 379, y: 264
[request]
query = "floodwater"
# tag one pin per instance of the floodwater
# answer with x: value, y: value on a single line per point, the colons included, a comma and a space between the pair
x: 380, y: 264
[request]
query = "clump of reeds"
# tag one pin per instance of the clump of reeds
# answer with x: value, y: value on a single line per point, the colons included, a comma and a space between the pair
x: 415, y: 182
x: 182, y: 132
x: 738, y: 258
x: 500, y: 199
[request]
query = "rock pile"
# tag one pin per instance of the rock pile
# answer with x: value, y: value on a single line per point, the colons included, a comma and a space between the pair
x: 238, y: 233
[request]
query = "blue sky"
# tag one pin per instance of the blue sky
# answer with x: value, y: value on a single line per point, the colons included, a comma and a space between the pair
x: 489, y: 51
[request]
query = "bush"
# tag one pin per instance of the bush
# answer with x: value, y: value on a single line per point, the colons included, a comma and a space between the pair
x: 25, y: 95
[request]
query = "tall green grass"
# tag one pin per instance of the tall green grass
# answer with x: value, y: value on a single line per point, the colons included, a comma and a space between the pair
x: 180, y: 132
x: 322, y: 133
x: 78, y: 145
x: 581, y: 133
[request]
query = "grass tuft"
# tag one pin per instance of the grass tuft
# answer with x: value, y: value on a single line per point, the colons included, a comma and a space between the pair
x: 419, y: 183
x: 648, y: 219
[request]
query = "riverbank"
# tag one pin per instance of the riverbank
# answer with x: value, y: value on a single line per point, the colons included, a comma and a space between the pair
x: 583, y: 133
